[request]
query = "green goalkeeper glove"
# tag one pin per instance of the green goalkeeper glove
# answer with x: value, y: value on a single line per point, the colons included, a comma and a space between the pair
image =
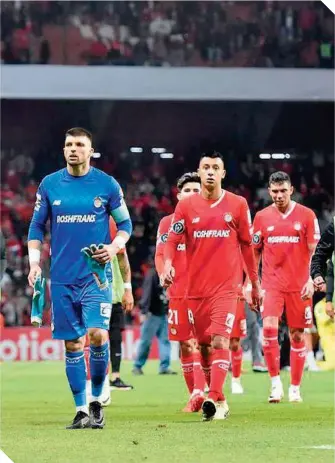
x: 98, y: 270
x: 38, y: 302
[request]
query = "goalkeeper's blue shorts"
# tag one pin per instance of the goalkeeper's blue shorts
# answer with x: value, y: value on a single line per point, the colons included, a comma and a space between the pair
x: 75, y: 308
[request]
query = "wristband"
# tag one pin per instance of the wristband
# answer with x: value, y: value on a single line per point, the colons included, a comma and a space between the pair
x: 34, y: 256
x: 127, y: 285
x: 249, y: 287
x: 120, y: 242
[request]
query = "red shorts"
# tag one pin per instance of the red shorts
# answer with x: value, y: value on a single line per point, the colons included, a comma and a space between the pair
x: 240, y: 323
x: 213, y: 315
x: 180, y: 327
x: 298, y: 312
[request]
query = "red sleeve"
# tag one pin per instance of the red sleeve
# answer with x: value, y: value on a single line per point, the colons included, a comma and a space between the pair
x: 113, y: 232
x: 244, y: 235
x: 257, y: 239
x: 312, y: 228
x: 162, y: 234
x: 176, y: 231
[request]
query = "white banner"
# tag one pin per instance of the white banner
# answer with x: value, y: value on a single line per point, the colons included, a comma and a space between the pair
x: 330, y: 4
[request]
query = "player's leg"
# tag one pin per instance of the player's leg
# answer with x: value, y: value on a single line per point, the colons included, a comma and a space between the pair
x: 67, y: 325
x: 164, y: 346
x: 148, y: 332
x: 271, y: 310
x: 116, y: 327
x: 299, y: 316
x: 236, y: 365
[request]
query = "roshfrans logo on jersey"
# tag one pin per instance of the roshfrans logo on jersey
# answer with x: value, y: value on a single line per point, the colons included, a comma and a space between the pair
x: 178, y: 227
x: 283, y: 239
x: 211, y: 234
x: 72, y: 218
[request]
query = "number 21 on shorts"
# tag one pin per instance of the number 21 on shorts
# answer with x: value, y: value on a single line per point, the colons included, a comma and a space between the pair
x: 173, y: 317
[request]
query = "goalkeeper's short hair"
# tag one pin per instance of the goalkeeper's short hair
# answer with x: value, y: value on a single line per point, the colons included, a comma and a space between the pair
x: 187, y: 178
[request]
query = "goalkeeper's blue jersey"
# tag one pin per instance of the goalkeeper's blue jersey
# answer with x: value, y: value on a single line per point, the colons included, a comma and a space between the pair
x: 79, y: 209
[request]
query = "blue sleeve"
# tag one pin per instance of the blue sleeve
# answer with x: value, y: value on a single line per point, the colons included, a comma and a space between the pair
x: 118, y: 208
x: 40, y: 215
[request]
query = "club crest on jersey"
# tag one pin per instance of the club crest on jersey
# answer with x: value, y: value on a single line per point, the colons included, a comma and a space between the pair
x: 173, y: 331
x: 256, y: 239
x: 297, y: 226
x: 97, y: 202
x: 178, y: 227
x: 228, y: 217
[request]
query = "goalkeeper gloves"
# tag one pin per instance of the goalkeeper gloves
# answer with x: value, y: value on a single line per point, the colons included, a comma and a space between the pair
x: 98, y: 270
x: 38, y: 302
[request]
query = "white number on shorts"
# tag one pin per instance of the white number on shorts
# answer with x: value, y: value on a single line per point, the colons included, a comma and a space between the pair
x: 190, y: 316
x: 230, y: 320
x: 173, y: 317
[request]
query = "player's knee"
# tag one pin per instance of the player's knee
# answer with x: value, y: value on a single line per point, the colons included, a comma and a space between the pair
x: 186, y: 348
x: 98, y: 337
x: 205, y: 350
x: 220, y: 342
x: 270, y: 322
x: 234, y: 344
x: 297, y: 335
x: 75, y: 345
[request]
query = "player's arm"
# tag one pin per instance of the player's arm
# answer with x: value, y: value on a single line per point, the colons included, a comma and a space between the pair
x: 36, y: 233
x: 124, y: 265
x: 330, y: 289
x: 245, y: 238
x: 323, y: 252
x: 175, y: 235
x: 162, y: 235
x: 119, y: 212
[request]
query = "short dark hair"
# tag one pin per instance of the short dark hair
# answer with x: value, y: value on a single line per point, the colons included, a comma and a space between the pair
x: 212, y: 154
x: 279, y: 177
x: 187, y: 178
x: 79, y: 132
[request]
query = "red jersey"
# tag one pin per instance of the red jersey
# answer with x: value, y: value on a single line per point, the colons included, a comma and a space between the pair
x: 178, y: 288
x: 284, y: 240
x: 215, y: 233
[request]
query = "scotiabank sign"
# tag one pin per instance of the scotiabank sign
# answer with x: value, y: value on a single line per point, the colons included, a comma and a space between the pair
x: 22, y: 344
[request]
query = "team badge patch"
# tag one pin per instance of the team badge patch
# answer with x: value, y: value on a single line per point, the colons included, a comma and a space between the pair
x: 97, y: 202
x: 297, y: 226
x: 228, y: 217
x: 178, y: 227
x: 256, y: 239
x: 173, y: 331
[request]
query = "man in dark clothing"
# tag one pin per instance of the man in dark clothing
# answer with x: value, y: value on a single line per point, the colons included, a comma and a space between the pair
x: 154, y: 308
x: 323, y: 253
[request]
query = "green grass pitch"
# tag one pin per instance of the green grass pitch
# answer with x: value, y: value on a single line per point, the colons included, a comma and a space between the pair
x: 146, y: 425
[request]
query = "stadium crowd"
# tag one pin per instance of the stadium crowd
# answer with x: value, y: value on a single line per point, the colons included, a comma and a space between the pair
x: 150, y: 194
x: 195, y: 33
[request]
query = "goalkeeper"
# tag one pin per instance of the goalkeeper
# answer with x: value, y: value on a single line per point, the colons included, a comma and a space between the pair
x: 78, y: 200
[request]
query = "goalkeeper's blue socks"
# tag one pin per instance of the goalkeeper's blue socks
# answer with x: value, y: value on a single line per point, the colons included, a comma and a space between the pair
x: 76, y: 375
x: 99, y: 358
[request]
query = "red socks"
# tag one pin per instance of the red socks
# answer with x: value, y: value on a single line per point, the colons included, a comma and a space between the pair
x: 206, y: 363
x: 271, y: 350
x: 220, y: 367
x: 188, y: 368
x: 236, y: 362
x: 199, y: 377
x: 297, y: 361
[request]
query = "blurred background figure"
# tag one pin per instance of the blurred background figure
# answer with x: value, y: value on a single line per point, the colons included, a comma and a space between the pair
x: 154, y: 309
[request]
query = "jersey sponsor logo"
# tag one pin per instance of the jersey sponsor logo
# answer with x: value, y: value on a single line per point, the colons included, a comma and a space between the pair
x: 73, y: 218
x: 283, y: 239
x: 57, y: 202
x: 178, y: 227
x: 196, y: 220
x: 228, y: 217
x: 211, y: 234
x: 256, y: 239
x: 181, y: 247
x: 38, y: 202
x: 97, y: 202
x: 297, y: 226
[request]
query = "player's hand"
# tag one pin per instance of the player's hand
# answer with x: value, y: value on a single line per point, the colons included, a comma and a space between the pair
x: 246, y: 291
x: 330, y: 310
x: 127, y: 300
x: 98, y: 270
x: 143, y: 317
x: 168, y: 275
x: 319, y: 284
x: 104, y: 253
x: 256, y: 296
x: 38, y: 302
x: 35, y: 271
x: 307, y: 291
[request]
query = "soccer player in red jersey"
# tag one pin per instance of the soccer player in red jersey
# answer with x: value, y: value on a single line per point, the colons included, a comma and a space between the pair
x: 285, y: 237
x: 180, y: 328
x: 216, y: 227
